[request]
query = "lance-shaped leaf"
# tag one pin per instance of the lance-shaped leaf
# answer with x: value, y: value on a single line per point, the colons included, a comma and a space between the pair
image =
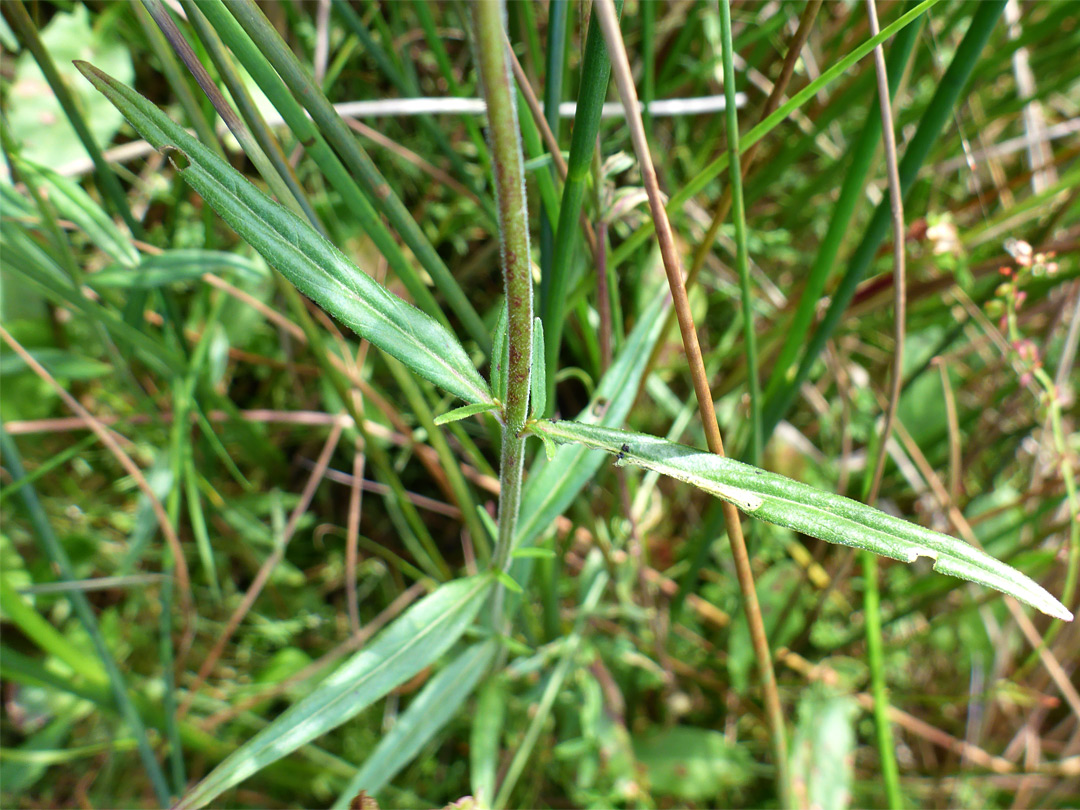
x: 432, y: 709
x: 301, y: 254
x: 411, y: 643
x: 803, y: 508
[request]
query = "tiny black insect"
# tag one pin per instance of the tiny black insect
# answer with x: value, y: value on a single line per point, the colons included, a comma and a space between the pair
x: 625, y: 449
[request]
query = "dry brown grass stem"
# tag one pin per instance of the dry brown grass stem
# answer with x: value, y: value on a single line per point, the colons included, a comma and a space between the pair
x: 620, y: 68
x: 920, y: 728
x: 896, y: 208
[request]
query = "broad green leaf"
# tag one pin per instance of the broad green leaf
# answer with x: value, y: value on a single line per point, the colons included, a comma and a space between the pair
x: 803, y: 508
x: 823, y: 750
x: 36, y: 118
x: 432, y: 709
x: 693, y: 764
x: 414, y: 641
x: 464, y: 412
x: 307, y: 259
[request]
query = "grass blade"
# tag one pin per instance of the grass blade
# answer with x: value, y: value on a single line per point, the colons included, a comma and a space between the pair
x: 862, y: 151
x: 595, y: 72
x: 411, y: 643
x: 938, y: 112
x: 712, y: 171
x: 738, y: 215
x: 81, y: 606
x: 803, y: 508
x: 304, y: 130
x: 356, y: 159
x: 432, y: 709
x: 313, y: 264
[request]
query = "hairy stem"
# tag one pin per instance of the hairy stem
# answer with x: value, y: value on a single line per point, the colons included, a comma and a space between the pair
x: 507, y: 166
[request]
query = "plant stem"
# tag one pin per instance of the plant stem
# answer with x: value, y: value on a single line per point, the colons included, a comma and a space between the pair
x: 507, y: 166
x: 886, y: 751
x: 875, y: 658
x: 609, y: 21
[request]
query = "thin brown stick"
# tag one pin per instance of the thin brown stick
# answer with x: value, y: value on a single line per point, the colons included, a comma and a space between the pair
x: 537, y: 112
x: 410, y: 156
x: 352, y: 535
x: 953, y: 422
x: 620, y: 68
x: 183, y: 580
x: 896, y: 208
x: 319, y: 418
x: 266, y: 569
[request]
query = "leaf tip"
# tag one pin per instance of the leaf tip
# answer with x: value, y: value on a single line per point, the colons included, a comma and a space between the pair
x: 89, y: 71
x: 1057, y: 610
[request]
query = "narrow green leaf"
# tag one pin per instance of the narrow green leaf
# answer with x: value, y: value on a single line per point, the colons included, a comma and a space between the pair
x: 803, y: 508
x: 508, y: 582
x: 25, y: 258
x: 484, y: 740
x: 313, y: 264
x: 432, y: 709
x: 411, y: 643
x: 72, y: 203
x: 555, y: 288
x: 464, y: 412
x: 176, y: 267
x: 539, y: 372
x: 337, y: 133
x: 545, y: 553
